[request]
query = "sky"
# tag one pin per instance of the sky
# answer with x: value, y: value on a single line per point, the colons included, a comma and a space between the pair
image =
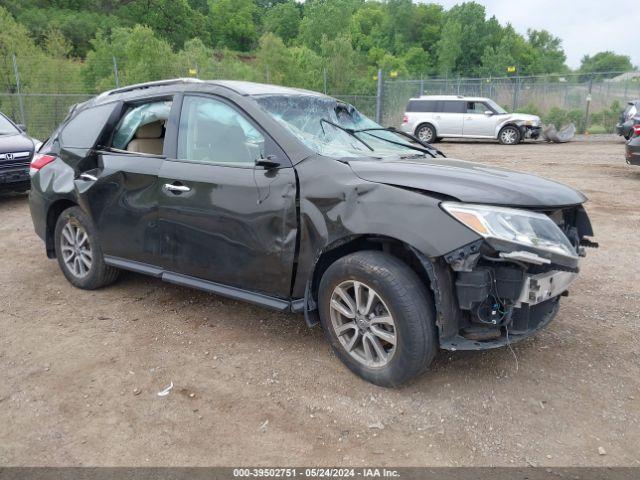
x: 585, y: 26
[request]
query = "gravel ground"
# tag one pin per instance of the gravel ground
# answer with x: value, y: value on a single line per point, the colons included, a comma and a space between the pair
x: 81, y: 370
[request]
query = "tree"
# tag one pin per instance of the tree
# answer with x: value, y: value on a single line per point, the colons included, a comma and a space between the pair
x: 140, y: 54
x: 274, y: 58
x: 232, y: 24
x: 324, y: 18
x: 549, y: 55
x: 416, y: 61
x: 283, y: 20
x: 449, y: 47
x: 173, y: 20
x: 605, y: 62
x: 512, y: 50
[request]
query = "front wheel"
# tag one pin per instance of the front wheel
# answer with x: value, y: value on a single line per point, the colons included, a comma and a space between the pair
x: 78, y: 251
x: 378, y: 317
x: 509, y: 135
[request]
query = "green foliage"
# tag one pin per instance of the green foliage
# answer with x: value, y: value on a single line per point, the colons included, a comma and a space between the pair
x: 282, y: 41
x: 605, y: 62
x: 283, y: 20
x: 232, y: 24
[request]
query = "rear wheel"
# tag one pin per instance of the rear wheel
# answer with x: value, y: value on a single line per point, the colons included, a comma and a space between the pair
x: 426, y: 133
x: 509, y: 135
x: 78, y: 251
x: 378, y: 317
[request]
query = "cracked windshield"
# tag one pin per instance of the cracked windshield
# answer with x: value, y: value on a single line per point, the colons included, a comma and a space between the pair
x: 333, y: 128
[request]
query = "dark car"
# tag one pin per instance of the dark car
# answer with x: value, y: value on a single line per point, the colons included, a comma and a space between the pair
x: 632, y: 149
x: 16, y: 152
x: 293, y: 200
x: 629, y: 117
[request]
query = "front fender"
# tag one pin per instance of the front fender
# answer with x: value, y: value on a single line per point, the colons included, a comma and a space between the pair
x: 336, y: 204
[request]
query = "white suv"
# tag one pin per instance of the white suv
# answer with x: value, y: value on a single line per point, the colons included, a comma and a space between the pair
x: 432, y: 117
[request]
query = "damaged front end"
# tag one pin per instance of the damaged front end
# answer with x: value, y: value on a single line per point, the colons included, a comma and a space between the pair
x: 508, y: 284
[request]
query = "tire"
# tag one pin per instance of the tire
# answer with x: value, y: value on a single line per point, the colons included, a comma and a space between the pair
x: 426, y: 133
x: 78, y: 251
x: 509, y: 135
x: 398, y: 294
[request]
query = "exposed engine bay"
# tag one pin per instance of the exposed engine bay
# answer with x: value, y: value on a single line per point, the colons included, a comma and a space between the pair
x: 506, y: 291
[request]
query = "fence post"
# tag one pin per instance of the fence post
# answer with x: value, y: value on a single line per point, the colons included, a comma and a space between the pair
x: 324, y: 79
x: 586, y: 113
x: 379, y: 98
x: 514, y: 102
x: 115, y: 72
x: 20, y: 102
x: 421, y: 85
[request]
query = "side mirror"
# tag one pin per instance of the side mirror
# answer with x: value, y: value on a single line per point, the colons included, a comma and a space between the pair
x: 22, y: 127
x: 271, y: 161
x: 488, y: 113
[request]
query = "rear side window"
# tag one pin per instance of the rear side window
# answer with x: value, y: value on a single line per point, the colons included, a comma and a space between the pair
x: 453, y: 106
x: 422, y: 106
x: 83, y: 130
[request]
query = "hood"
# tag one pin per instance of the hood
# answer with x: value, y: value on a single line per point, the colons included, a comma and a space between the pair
x: 469, y: 182
x: 521, y: 117
x: 15, y: 143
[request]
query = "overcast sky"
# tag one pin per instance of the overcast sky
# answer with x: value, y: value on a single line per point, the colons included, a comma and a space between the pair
x: 585, y: 26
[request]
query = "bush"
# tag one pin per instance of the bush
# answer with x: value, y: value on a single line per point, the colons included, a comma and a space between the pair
x: 594, y: 129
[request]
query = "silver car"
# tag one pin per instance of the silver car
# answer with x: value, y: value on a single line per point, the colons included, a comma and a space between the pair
x: 433, y: 117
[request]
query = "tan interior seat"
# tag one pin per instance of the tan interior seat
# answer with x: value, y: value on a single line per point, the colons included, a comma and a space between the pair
x: 148, y: 139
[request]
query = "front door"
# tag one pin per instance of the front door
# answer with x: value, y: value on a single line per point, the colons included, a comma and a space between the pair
x: 477, y: 121
x: 224, y: 219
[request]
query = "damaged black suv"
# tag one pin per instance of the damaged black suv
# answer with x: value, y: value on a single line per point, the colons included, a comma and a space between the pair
x: 295, y: 201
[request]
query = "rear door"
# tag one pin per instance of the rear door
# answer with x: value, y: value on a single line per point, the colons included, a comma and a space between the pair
x: 450, y: 117
x: 224, y: 219
x: 119, y: 186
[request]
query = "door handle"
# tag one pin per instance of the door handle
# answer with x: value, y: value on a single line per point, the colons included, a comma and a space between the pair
x: 88, y: 177
x: 176, y: 188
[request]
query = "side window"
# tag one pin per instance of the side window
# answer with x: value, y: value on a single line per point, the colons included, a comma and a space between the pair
x: 454, y: 106
x: 213, y: 132
x: 142, y: 128
x: 422, y: 106
x: 82, y: 131
x: 477, y: 107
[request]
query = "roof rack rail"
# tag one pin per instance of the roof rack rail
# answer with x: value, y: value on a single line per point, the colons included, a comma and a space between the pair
x: 158, y: 83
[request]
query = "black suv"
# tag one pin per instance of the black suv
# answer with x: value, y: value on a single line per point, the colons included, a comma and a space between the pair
x: 16, y: 152
x: 295, y: 201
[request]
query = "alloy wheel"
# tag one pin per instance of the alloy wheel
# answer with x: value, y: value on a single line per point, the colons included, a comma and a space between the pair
x: 363, y: 324
x: 509, y: 136
x: 76, y: 249
x: 425, y: 134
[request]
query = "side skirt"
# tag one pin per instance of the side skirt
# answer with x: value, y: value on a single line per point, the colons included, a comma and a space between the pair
x: 235, y: 293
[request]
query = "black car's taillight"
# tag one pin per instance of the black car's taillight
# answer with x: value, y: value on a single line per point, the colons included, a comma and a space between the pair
x: 39, y: 161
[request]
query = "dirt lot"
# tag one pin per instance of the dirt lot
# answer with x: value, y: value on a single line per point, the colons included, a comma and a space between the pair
x: 80, y: 370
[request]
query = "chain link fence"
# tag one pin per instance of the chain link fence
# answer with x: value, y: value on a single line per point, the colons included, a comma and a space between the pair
x: 38, y: 92
x: 590, y: 101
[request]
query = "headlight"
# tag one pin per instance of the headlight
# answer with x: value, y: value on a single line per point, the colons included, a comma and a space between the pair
x: 531, y: 229
x: 531, y: 123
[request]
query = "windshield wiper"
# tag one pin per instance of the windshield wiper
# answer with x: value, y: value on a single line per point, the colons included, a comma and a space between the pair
x: 426, y: 148
x: 350, y: 131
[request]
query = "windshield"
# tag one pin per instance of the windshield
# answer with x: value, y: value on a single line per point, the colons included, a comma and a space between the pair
x: 310, y: 118
x: 6, y: 127
x: 498, y: 109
